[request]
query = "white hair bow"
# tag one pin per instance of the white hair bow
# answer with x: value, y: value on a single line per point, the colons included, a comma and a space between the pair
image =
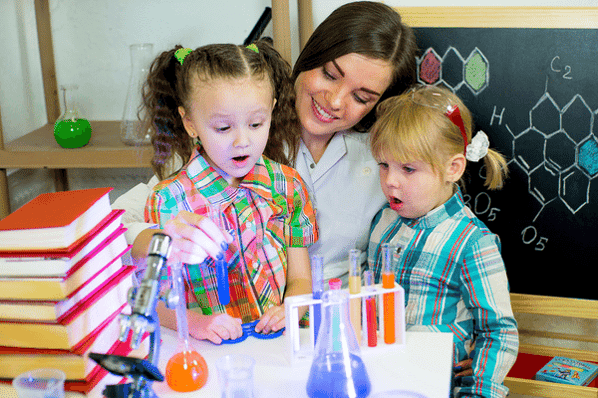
x: 478, y: 148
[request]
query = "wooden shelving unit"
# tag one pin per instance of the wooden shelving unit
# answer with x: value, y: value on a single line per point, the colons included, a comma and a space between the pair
x: 557, y: 307
x: 38, y: 149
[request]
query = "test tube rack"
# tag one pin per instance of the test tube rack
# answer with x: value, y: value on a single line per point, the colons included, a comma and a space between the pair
x: 302, y: 350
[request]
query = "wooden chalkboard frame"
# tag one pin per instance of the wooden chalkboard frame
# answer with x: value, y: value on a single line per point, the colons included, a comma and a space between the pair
x: 526, y: 17
x: 500, y: 17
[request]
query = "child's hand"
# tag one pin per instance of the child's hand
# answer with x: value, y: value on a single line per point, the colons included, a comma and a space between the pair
x: 194, y: 238
x: 214, y: 328
x: 272, y: 320
x: 463, y: 368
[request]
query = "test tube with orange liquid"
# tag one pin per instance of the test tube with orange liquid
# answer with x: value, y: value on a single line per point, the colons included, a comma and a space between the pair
x: 388, y: 299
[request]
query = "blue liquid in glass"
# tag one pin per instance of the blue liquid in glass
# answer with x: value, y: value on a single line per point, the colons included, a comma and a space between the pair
x: 327, y: 378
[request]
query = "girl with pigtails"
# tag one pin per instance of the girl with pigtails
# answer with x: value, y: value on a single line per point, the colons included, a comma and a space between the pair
x: 213, y: 107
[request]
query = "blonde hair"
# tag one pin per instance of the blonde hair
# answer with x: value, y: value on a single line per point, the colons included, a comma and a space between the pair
x: 414, y: 126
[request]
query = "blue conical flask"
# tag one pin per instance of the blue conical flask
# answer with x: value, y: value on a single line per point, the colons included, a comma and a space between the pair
x: 337, y: 370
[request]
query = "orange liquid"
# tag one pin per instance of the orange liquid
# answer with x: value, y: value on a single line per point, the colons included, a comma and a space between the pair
x: 186, y: 371
x: 389, y: 309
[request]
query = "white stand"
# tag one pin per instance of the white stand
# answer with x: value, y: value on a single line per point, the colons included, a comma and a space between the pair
x: 302, y: 351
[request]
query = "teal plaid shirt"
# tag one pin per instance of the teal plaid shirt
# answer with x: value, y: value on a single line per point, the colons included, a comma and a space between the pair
x: 455, y: 281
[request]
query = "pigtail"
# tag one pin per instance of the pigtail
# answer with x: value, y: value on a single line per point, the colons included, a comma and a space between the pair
x: 161, y: 102
x: 496, y: 169
x: 285, y: 132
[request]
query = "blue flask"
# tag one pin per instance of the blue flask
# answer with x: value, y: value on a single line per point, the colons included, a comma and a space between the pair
x: 337, y: 370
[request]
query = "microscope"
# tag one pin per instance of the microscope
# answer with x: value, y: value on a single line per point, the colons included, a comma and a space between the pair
x: 143, y: 319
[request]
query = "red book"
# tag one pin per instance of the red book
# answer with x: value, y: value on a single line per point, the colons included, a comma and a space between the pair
x: 100, y: 377
x: 26, y: 263
x: 82, y: 373
x: 74, y: 329
x: 96, y: 268
x: 74, y: 363
x: 107, y: 261
x: 55, y: 220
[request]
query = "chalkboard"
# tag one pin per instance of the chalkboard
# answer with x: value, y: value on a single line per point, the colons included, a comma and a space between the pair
x: 534, y: 91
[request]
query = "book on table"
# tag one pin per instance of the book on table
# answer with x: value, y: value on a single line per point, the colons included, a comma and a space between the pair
x: 75, y: 328
x: 99, y: 377
x: 96, y: 268
x: 74, y: 363
x: 103, y: 268
x: 26, y: 263
x: 82, y: 373
x: 55, y: 220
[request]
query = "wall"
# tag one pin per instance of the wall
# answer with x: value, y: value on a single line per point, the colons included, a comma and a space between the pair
x: 91, y: 48
x: 91, y: 40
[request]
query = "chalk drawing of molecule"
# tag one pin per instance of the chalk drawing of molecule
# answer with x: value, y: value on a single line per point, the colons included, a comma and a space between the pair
x: 453, y: 70
x: 567, y: 164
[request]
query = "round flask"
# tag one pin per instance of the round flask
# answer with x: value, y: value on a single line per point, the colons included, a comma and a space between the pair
x: 71, y: 130
x: 186, y: 370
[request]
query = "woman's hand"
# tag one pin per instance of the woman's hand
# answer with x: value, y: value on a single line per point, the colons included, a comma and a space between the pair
x: 195, y: 237
x: 214, y: 328
x: 272, y: 320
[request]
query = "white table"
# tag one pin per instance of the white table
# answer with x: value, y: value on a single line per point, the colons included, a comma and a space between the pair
x: 422, y: 365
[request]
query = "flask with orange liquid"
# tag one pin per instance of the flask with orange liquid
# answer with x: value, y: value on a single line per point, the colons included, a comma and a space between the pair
x: 186, y: 370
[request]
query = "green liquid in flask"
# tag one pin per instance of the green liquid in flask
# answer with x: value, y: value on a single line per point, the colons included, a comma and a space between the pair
x: 72, y: 133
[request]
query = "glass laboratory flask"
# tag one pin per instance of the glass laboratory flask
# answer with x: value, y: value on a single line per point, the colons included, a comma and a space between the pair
x: 71, y: 130
x: 186, y: 370
x: 337, y: 370
x: 132, y: 130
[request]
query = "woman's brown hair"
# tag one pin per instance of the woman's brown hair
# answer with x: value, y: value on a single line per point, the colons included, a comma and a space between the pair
x: 368, y: 28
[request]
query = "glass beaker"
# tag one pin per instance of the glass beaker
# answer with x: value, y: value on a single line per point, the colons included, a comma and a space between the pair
x: 235, y: 375
x: 337, y: 370
x: 71, y: 130
x: 132, y: 130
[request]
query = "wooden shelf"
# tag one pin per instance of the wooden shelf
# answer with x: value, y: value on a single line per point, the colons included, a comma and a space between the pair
x: 520, y: 379
x: 39, y: 149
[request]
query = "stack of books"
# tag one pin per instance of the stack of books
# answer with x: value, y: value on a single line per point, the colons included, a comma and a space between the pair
x: 62, y: 286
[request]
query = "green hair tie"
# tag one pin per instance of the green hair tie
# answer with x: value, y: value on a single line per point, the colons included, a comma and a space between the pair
x: 181, y: 53
x: 253, y: 47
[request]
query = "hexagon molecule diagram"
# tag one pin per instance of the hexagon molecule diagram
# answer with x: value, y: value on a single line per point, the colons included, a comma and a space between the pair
x: 454, y: 71
x: 569, y: 162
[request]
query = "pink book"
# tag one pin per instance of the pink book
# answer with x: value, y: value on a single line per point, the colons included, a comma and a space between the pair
x: 74, y: 328
x: 102, y: 262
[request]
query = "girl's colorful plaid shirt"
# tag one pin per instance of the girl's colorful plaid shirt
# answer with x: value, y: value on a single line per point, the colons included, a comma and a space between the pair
x: 269, y: 211
x: 455, y: 281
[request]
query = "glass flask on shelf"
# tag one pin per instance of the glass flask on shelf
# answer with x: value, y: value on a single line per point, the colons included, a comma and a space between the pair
x: 132, y: 130
x: 337, y: 370
x: 186, y: 370
x: 71, y: 130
